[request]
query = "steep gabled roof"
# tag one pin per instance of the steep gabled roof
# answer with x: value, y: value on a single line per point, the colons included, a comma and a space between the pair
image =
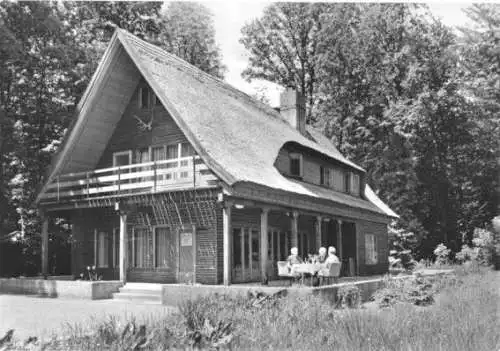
x: 237, y: 136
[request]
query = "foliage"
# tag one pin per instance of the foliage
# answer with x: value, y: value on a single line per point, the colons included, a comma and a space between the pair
x: 461, y: 318
x: 48, y: 53
x: 417, y: 290
x: 402, y: 243
x: 348, y: 296
x: 189, y: 33
x: 283, y: 47
x: 442, y: 254
x: 90, y: 274
x: 403, y: 96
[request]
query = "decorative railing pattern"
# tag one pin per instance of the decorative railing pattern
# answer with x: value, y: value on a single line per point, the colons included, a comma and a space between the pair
x: 181, y: 173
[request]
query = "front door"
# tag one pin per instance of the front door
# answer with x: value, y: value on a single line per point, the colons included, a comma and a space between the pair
x: 186, y: 255
x: 246, y: 255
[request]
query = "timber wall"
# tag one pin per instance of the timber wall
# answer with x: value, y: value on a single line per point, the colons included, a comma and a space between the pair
x: 172, y: 210
x: 128, y: 136
x: 379, y: 230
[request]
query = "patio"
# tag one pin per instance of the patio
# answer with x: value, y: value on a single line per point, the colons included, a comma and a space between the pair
x: 41, y: 317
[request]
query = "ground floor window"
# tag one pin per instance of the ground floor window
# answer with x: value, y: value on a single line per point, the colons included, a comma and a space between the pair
x: 107, y: 248
x: 165, y: 253
x: 246, y: 254
x: 277, y: 245
x: 371, y: 249
x: 142, y: 248
x: 102, y: 248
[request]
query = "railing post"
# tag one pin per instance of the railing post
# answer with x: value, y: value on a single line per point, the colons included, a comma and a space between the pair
x: 88, y: 185
x: 154, y: 176
x: 119, y: 181
x: 194, y: 173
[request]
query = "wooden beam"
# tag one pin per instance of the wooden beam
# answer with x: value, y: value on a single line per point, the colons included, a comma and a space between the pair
x: 339, y: 239
x: 318, y: 227
x: 123, y: 247
x: 226, y: 224
x: 263, y: 243
x: 45, y: 244
x: 295, y: 229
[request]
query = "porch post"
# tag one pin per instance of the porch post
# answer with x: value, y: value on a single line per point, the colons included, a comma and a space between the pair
x: 339, y: 239
x: 45, y: 244
x: 123, y: 246
x: 226, y: 223
x: 263, y: 243
x: 318, y: 232
x: 295, y: 229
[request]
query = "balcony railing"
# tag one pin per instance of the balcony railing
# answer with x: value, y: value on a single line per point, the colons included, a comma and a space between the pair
x: 181, y: 173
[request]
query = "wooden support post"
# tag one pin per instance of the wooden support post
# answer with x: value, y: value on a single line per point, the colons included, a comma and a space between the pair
x: 339, y: 239
x: 295, y: 230
x: 45, y: 244
x: 263, y: 243
x: 123, y: 247
x: 319, y: 221
x: 154, y: 177
x: 226, y: 223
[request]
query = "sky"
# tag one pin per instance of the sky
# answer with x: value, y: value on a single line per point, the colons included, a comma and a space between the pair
x: 229, y: 18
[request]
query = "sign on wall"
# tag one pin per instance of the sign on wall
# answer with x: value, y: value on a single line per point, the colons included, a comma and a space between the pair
x: 186, y: 238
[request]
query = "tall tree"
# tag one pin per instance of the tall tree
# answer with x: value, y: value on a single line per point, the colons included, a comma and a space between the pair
x: 283, y: 45
x: 188, y: 32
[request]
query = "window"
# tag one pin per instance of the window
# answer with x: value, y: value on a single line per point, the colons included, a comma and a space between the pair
x: 324, y: 176
x: 163, y: 256
x: 347, y: 182
x: 142, y: 248
x: 371, y: 256
x: 144, y: 97
x: 156, y: 101
x: 355, y: 184
x: 102, y: 248
x: 338, y: 179
x: 296, y: 164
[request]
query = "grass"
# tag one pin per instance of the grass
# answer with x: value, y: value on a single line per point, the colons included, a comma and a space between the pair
x: 463, y: 316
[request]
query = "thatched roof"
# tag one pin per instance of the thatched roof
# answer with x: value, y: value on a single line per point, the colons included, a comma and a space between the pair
x: 237, y: 136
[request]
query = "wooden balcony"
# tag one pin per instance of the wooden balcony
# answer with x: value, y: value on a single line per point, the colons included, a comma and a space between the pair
x: 150, y: 177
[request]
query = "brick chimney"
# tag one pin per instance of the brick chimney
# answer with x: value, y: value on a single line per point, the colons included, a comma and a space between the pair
x: 293, y: 109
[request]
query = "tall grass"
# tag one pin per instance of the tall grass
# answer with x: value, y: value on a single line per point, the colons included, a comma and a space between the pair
x: 464, y: 316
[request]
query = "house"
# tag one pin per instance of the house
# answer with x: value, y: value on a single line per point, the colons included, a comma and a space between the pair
x: 170, y: 175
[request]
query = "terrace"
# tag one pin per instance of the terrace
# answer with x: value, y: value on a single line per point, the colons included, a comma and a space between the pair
x: 140, y: 178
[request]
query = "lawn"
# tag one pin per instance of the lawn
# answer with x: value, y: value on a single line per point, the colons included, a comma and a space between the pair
x: 461, y: 314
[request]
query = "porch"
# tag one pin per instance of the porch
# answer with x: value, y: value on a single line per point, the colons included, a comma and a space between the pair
x: 205, y: 237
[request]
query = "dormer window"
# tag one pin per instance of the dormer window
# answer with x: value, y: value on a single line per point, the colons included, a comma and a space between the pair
x: 296, y: 165
x: 355, y: 184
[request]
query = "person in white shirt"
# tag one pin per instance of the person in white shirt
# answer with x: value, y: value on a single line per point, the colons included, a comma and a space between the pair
x: 332, y: 258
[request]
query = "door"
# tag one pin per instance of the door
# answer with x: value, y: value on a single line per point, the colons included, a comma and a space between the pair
x: 246, y: 255
x: 186, y: 255
x: 122, y: 158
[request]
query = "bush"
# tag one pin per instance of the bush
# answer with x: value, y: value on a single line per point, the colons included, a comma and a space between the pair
x: 348, y: 296
x: 442, y: 254
x: 402, y: 242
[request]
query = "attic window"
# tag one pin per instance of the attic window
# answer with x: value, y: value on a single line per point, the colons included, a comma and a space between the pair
x: 324, y: 175
x: 143, y: 97
x: 296, y: 165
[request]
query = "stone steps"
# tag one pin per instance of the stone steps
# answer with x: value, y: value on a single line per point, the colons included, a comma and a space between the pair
x: 139, y: 293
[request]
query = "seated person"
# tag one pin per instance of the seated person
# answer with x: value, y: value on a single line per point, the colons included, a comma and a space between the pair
x: 321, y: 258
x: 294, y: 257
x: 332, y: 258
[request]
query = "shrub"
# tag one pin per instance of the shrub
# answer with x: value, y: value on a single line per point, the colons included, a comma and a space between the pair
x: 485, y: 244
x: 348, y: 296
x: 402, y: 242
x: 442, y: 254
x: 467, y: 254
